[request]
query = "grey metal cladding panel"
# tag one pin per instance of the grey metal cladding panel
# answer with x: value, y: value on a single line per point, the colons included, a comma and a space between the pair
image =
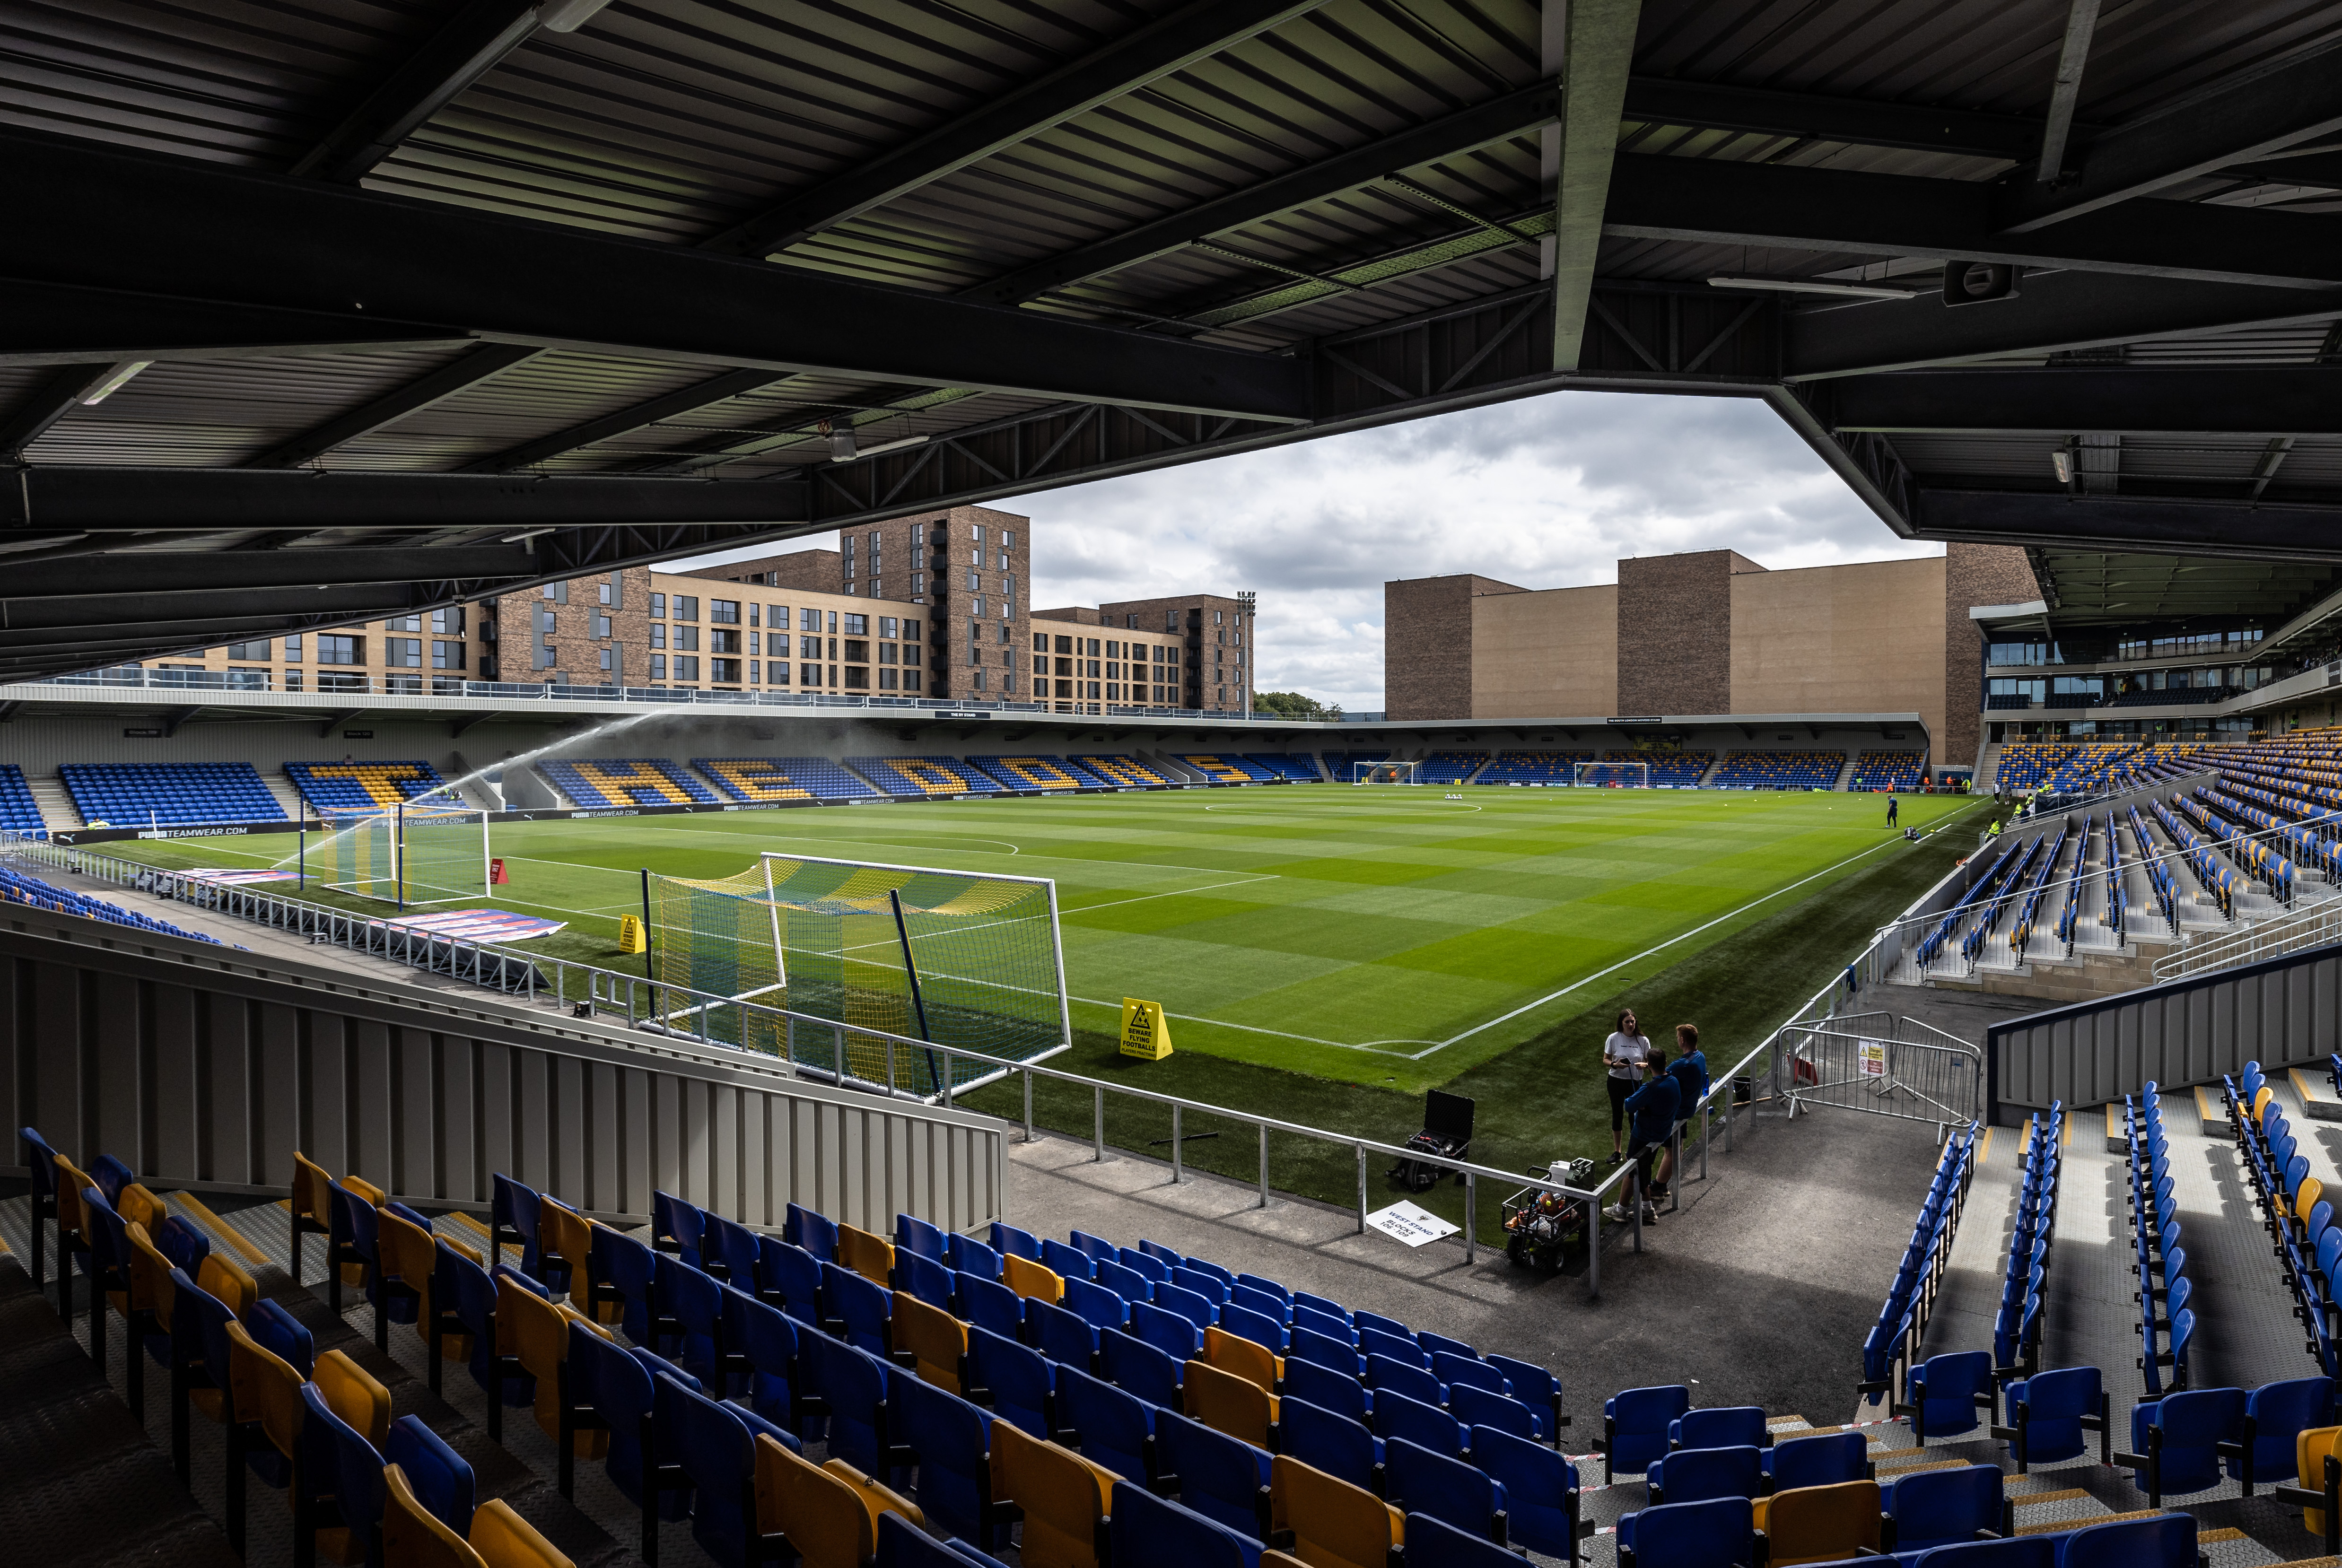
x: 174, y: 1078
x: 636, y: 1107
x: 225, y: 1079
x: 15, y: 1103
x: 57, y: 1089
x: 459, y: 1181
x: 324, y: 1082
x: 495, y: 1137
x: 370, y: 1103
x: 600, y: 1189
x: 277, y: 1094
x: 2324, y: 1001
x: 573, y: 1128
x: 114, y: 1064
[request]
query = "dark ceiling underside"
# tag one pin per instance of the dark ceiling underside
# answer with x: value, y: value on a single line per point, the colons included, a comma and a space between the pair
x: 422, y: 299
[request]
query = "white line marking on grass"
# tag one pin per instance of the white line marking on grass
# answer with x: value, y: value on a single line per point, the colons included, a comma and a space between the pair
x: 1372, y: 1046
x: 1174, y: 892
x: 1670, y: 941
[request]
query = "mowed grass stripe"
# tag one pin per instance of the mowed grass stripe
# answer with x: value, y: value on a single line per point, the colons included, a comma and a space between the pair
x: 1345, y: 921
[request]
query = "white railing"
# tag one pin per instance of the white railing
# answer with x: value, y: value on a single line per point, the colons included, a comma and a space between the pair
x: 2311, y: 925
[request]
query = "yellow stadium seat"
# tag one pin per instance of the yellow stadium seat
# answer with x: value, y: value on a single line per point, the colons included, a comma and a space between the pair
x: 409, y: 1257
x: 1822, y: 1524
x: 536, y: 1333
x: 224, y: 1279
x: 933, y: 1339
x: 1247, y: 1358
x: 412, y: 1535
x: 871, y: 1256
x: 503, y: 1539
x: 564, y: 1233
x: 312, y: 1204
x: 828, y: 1513
x: 2311, y: 1449
x: 1329, y: 1522
x: 1066, y: 1499
x: 1228, y: 1402
x: 351, y: 1393
x: 1030, y: 1280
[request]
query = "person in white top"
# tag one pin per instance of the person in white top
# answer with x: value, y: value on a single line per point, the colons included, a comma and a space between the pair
x: 1626, y: 1054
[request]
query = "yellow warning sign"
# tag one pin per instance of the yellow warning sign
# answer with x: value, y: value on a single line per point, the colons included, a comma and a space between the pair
x: 630, y: 934
x: 1145, y: 1032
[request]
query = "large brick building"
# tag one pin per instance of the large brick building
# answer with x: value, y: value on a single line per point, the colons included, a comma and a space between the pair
x: 1706, y: 632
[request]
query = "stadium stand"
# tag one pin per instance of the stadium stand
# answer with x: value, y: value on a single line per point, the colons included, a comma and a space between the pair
x: 2017, y: 1328
x: 917, y: 778
x: 18, y: 811
x: 1779, y: 770
x: 1888, y: 771
x: 1032, y: 776
x: 626, y: 781
x: 16, y: 887
x: 2160, y: 1261
x: 176, y: 794
x: 1534, y: 768
x: 1339, y: 765
x: 1229, y: 770
x: 1450, y: 767
x: 366, y: 786
x: 1293, y: 765
x: 749, y: 779
x: 1121, y: 772
x: 1893, y: 1344
x: 2276, y: 1164
x: 1670, y: 768
x: 2024, y: 763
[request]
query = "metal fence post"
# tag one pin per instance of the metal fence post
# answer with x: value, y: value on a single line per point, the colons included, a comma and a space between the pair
x: 1703, y: 1127
x: 1471, y: 1218
x: 1362, y: 1189
x: 1028, y: 1104
x: 1264, y: 1165
x: 1098, y: 1122
x: 837, y: 1055
x: 1177, y: 1175
x: 1592, y: 1202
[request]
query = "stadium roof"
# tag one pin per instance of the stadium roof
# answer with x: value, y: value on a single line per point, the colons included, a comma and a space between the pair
x: 328, y: 309
x: 2083, y: 588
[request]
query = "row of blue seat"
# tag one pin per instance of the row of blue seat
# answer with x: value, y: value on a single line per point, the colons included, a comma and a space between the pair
x: 2284, y: 1188
x: 2016, y: 1327
x: 2167, y: 1323
x: 16, y: 887
x: 1721, y: 1533
x: 1893, y: 1340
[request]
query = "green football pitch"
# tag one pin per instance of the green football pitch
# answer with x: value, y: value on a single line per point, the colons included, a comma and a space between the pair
x: 1381, y: 936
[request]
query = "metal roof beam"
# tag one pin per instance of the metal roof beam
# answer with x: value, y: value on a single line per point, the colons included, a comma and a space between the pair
x: 2056, y: 311
x: 2177, y: 527
x: 487, y: 360
x: 210, y: 606
x: 281, y: 243
x: 104, y: 496
x: 49, y: 324
x: 2250, y: 117
x: 156, y: 571
x: 2261, y: 400
x: 1833, y: 211
x: 1477, y: 126
x: 1195, y: 32
x: 705, y: 393
x: 1758, y: 111
x: 465, y: 49
x: 2081, y: 22
x: 1599, y: 52
x: 51, y: 401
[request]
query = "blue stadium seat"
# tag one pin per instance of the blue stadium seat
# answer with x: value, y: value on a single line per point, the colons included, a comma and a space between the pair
x: 952, y: 1438
x: 1938, y: 1507
x: 1109, y: 1426
x: 1419, y: 1481
x: 1219, y: 1476
x: 1328, y: 1441
x: 1016, y: 1382
x: 1634, y: 1424
x: 1541, y: 1496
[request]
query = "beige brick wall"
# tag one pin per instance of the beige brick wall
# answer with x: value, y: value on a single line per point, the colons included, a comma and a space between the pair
x: 1864, y: 637
x: 1427, y: 643
x: 1545, y: 654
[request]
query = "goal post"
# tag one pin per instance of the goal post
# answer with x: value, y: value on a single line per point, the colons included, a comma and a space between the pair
x: 405, y: 854
x: 862, y: 950
x: 1382, y: 773
x: 1613, y: 775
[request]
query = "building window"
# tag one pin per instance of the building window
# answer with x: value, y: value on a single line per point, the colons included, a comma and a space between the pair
x: 809, y: 674
x: 977, y: 684
x: 403, y: 623
x: 723, y: 612
x: 558, y: 592
x: 658, y: 605
x: 687, y: 637
x: 601, y: 623
x: 777, y: 616
x: 258, y: 649
x: 336, y: 649
x: 809, y: 620
x: 686, y: 607
x: 723, y: 671
x: 603, y: 593
x: 886, y: 653
x: 910, y: 680
x: 448, y: 623
x: 447, y: 655
x: 658, y: 637
x: 723, y: 640
x: 658, y: 666
x: 779, y: 673
x: 756, y: 671
x: 857, y: 626
x: 977, y: 608
x: 293, y: 648
x: 910, y: 652
x: 975, y: 655
x: 609, y: 659
x: 686, y: 669
x: 976, y: 531
x: 857, y: 678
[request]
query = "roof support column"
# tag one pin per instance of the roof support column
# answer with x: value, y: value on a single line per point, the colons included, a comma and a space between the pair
x: 1596, y: 41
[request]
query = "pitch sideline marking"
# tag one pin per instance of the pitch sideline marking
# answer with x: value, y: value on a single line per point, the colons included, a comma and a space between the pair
x: 1670, y: 941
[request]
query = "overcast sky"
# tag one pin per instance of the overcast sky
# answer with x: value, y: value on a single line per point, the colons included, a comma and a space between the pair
x: 1545, y: 493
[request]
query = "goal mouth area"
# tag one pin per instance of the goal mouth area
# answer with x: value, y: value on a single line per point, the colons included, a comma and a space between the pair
x: 412, y: 854
x: 1384, y: 773
x: 1611, y: 775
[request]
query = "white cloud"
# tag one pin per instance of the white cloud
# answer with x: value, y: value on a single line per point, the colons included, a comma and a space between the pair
x: 1545, y: 492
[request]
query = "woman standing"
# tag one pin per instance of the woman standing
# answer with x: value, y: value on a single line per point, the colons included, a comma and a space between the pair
x: 1625, y: 1053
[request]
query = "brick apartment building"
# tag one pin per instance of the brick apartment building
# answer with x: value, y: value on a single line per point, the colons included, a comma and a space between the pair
x: 930, y: 605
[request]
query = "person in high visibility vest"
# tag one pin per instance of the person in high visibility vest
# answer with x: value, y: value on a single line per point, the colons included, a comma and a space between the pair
x: 1996, y: 827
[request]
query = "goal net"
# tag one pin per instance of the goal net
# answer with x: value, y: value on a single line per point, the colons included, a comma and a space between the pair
x: 407, y: 854
x: 951, y: 958
x: 1383, y: 773
x: 1615, y: 775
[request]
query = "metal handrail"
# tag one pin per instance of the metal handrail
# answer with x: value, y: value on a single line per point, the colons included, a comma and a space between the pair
x: 341, y: 923
x: 2313, y: 926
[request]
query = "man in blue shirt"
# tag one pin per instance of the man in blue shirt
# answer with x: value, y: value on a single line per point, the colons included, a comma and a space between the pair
x: 1653, y: 1109
x: 1689, y: 1069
